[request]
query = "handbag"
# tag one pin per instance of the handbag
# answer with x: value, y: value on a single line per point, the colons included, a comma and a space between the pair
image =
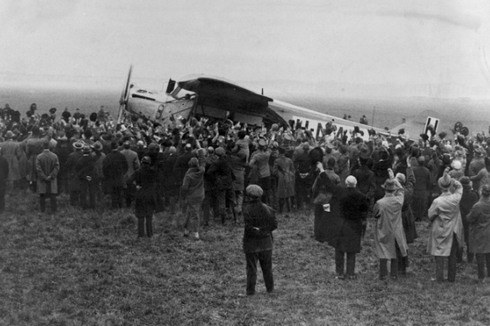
x: 322, y: 198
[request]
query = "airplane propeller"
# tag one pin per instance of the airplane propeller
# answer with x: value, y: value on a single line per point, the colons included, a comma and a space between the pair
x: 124, y: 96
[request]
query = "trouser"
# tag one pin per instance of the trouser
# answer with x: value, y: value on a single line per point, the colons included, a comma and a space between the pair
x: 419, y: 208
x: 239, y: 200
x: 451, y: 264
x: 129, y: 192
x: 117, y: 196
x: 74, y: 197
x: 339, y: 262
x: 192, y: 216
x: 283, y: 201
x: 226, y: 198
x: 209, y: 203
x: 481, y: 259
x: 265, y: 259
x: 52, y: 200
x: 148, y: 220
x: 2, y: 203
x: 303, y: 190
x: 394, y: 265
x: 88, y: 188
x: 265, y: 184
x: 469, y: 255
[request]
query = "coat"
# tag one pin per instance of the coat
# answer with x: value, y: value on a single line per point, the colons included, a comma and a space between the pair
x: 389, y: 225
x: 327, y: 224
x: 115, y: 167
x: 4, y: 172
x: 479, y: 221
x: 407, y: 215
x: 468, y: 200
x: 238, y: 169
x: 193, y: 185
x: 133, y: 163
x: 354, y: 206
x: 260, y: 220
x: 145, y: 199
x: 71, y: 163
x: 47, y: 165
x: 34, y: 147
x: 12, y: 153
x: 283, y: 169
x: 446, y: 221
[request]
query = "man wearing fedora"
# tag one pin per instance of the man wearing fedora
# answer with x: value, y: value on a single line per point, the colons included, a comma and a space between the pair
x: 73, y: 180
x: 260, y: 220
x: 446, y: 228
x: 47, y: 166
x: 389, y: 237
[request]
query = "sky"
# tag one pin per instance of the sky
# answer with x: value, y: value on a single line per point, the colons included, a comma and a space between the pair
x: 432, y: 48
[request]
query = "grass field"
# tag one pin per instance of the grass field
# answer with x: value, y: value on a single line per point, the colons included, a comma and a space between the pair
x: 86, y: 268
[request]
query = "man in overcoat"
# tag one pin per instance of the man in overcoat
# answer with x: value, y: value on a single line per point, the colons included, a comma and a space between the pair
x: 354, y: 206
x: 114, y: 167
x: 47, y: 167
x: 12, y: 153
x: 446, y: 231
x: 479, y: 221
x: 260, y: 220
x: 73, y: 180
x: 389, y: 237
x: 145, y: 203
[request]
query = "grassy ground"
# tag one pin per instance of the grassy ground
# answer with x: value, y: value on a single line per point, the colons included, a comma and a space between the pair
x: 85, y: 268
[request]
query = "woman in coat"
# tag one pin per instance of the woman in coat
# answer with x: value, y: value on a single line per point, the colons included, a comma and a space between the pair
x: 479, y: 221
x: 193, y: 193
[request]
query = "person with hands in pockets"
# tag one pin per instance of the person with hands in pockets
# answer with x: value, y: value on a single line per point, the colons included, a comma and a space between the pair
x: 260, y: 220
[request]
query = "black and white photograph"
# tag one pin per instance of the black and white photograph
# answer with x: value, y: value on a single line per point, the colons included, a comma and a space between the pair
x: 322, y: 162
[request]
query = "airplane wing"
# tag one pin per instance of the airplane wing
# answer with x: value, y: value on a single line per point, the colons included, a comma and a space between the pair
x: 219, y: 97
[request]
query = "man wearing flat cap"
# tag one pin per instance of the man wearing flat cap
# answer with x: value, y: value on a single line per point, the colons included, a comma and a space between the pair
x: 446, y: 230
x: 389, y: 237
x: 12, y: 153
x: 260, y: 221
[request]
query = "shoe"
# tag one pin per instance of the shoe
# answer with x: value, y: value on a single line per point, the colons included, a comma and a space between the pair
x: 196, y: 236
x: 339, y: 277
x: 351, y: 277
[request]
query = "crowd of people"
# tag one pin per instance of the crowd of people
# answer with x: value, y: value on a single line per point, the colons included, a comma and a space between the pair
x: 203, y: 167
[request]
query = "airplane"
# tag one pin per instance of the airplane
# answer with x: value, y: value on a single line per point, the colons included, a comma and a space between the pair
x: 215, y: 97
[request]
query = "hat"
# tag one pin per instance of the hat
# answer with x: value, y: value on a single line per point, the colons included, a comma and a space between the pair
x: 485, y: 190
x: 193, y: 162
x: 390, y: 184
x: 254, y: 191
x: 457, y: 164
x: 188, y: 146
x: 172, y: 149
x: 350, y: 181
x: 421, y: 159
x: 140, y: 143
x: 465, y: 180
x: 78, y: 145
x: 262, y: 142
x: 97, y: 146
x: 146, y: 160
x: 220, y: 151
x: 444, y: 182
x: 210, y: 150
x: 401, y: 178
x: 9, y: 134
x: 52, y: 110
